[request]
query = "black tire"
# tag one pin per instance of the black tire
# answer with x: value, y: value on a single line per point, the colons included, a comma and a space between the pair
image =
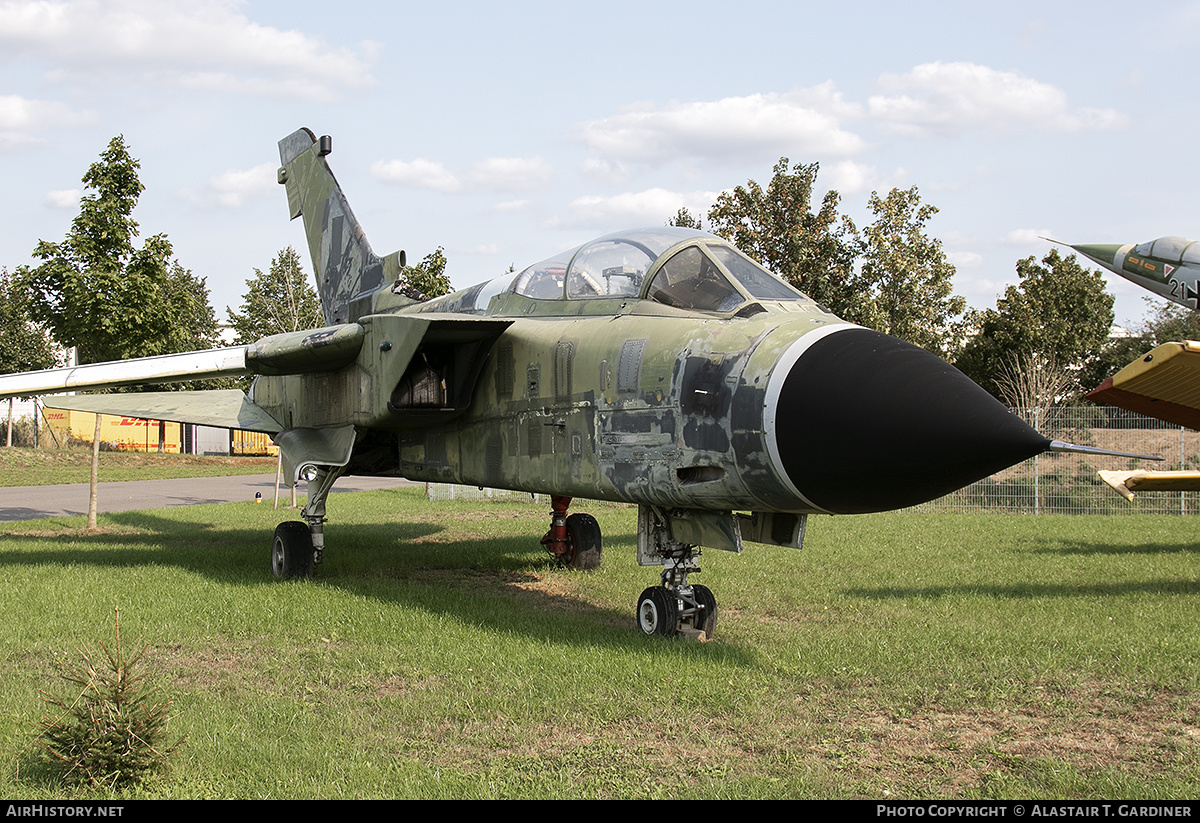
x: 658, y: 612
x: 292, y: 551
x: 586, y: 544
x: 706, y: 620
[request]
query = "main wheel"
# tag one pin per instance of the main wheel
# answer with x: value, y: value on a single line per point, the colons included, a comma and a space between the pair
x: 586, y: 545
x: 706, y: 620
x: 658, y: 612
x: 292, y: 551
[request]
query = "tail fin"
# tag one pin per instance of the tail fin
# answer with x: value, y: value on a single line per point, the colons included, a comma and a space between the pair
x: 346, y: 268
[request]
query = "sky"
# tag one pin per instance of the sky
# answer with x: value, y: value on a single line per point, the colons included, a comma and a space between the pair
x: 504, y: 133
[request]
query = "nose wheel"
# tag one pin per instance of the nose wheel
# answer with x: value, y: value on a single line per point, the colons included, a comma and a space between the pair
x: 658, y: 612
x: 691, y: 610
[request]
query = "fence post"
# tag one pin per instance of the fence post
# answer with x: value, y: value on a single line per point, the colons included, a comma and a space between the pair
x: 1037, y: 473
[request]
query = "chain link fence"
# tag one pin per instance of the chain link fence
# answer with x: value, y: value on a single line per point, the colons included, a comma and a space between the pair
x: 1068, y: 483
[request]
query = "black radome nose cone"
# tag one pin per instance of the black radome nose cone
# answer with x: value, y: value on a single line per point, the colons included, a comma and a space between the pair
x: 867, y: 423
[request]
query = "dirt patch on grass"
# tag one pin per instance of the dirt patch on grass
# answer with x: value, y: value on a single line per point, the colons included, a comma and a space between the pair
x: 1086, y: 729
x: 864, y: 750
x: 550, y: 590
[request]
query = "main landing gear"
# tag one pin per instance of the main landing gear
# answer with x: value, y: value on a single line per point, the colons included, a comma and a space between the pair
x: 298, y: 547
x: 574, y: 540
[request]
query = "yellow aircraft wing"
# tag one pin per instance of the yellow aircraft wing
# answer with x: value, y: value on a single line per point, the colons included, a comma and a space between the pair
x: 1127, y: 482
x: 1164, y: 384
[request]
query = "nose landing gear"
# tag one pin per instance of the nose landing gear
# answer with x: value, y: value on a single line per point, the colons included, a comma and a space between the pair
x: 674, y: 607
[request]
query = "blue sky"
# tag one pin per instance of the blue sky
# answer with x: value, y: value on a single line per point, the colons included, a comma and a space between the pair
x: 507, y: 132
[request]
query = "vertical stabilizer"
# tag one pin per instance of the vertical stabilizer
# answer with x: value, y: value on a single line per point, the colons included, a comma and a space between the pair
x: 346, y: 268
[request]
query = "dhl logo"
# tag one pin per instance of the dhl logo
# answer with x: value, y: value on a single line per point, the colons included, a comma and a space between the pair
x: 137, y: 422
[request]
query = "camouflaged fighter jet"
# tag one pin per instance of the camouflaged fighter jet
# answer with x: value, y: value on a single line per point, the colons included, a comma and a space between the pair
x: 660, y: 367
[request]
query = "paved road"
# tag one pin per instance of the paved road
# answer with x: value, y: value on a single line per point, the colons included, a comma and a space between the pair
x: 35, y: 502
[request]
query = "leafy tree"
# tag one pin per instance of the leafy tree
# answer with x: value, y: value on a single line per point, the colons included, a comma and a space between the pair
x: 429, y: 276
x: 684, y: 219
x: 1168, y: 322
x: 906, y: 275
x: 1059, y: 312
x: 100, y: 293
x: 814, y: 251
x: 281, y: 300
x: 892, y: 277
x: 23, y: 345
x: 192, y: 323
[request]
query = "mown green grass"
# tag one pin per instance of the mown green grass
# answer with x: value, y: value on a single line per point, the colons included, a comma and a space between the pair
x: 438, y: 653
x: 43, y: 467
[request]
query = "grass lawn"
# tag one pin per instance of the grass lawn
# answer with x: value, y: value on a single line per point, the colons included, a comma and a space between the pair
x: 439, y: 654
x: 43, y: 467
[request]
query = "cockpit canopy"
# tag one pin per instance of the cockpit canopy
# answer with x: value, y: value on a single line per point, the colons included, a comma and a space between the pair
x: 1171, y: 249
x: 683, y: 268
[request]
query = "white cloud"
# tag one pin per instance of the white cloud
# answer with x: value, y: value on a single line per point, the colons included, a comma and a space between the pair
x: 946, y: 98
x: 652, y: 207
x: 509, y: 174
x: 231, y: 188
x: 417, y: 174
x: 186, y: 43
x: 494, y: 174
x: 234, y: 186
x: 512, y: 206
x: 849, y: 177
x: 965, y: 259
x: 1027, y: 237
x: 63, y: 199
x: 804, y: 123
x: 21, y: 118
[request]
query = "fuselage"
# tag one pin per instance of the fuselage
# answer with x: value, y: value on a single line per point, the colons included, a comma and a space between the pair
x: 661, y: 367
x: 1168, y: 266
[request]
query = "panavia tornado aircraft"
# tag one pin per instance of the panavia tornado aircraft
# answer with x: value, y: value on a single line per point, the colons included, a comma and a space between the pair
x: 660, y: 367
x: 1164, y: 383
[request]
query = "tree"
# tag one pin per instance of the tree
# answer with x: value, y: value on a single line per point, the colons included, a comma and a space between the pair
x: 892, y: 277
x: 191, y: 321
x: 906, y: 275
x: 281, y: 300
x: 684, y: 219
x: 97, y: 292
x: 814, y: 251
x: 429, y: 276
x: 1059, y: 313
x: 23, y: 345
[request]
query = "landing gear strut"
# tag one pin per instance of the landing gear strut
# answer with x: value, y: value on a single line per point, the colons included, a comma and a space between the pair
x: 574, y: 540
x: 674, y: 606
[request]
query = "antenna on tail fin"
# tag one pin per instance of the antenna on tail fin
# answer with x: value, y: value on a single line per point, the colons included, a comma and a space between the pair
x: 348, y: 272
